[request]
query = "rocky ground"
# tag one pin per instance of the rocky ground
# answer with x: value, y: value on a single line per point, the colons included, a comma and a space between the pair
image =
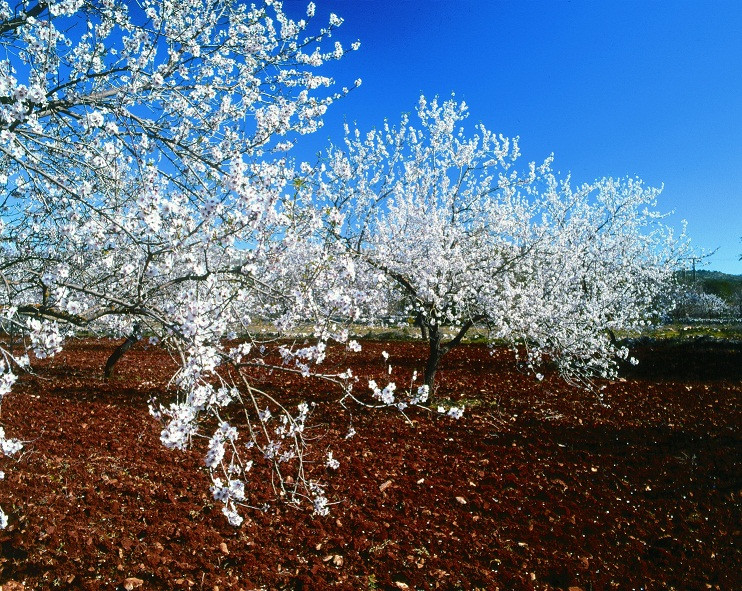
x: 538, y: 486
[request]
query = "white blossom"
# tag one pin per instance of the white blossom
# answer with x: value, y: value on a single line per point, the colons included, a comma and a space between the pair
x: 331, y: 462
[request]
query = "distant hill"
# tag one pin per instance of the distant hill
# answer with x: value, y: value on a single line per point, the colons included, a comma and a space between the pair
x: 713, y: 283
x: 721, y: 284
x: 704, y: 277
x: 703, y: 274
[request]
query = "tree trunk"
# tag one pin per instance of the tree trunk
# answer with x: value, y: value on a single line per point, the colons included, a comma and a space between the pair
x: 119, y: 352
x: 438, y: 349
x: 434, y: 356
x: 420, y: 321
x: 11, y: 336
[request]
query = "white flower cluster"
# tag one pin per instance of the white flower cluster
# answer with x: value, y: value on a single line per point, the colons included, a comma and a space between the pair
x: 229, y: 493
x: 319, y: 500
x: 455, y: 412
x: 386, y: 396
x: 7, y: 379
x: 291, y: 426
x: 181, y: 427
x: 225, y: 433
x: 46, y: 339
x: 421, y: 397
x: 331, y: 462
x: 9, y: 447
x: 304, y: 356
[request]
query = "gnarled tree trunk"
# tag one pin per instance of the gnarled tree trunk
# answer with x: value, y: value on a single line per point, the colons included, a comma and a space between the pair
x: 120, y: 350
x: 434, y: 355
x: 438, y: 349
x: 421, y: 322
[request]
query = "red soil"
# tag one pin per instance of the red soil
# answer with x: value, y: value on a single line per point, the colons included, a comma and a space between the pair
x: 539, y: 486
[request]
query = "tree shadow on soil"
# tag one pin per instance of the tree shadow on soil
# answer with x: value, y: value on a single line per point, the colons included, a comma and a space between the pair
x: 699, y: 360
x: 675, y: 455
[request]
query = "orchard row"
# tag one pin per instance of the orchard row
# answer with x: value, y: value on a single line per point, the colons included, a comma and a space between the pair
x: 149, y: 191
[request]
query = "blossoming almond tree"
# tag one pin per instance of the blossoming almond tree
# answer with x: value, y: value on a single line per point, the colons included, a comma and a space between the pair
x: 601, y: 264
x: 145, y: 182
x: 465, y: 238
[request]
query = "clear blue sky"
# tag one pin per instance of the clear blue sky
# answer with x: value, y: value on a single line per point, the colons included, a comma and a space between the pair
x: 652, y: 89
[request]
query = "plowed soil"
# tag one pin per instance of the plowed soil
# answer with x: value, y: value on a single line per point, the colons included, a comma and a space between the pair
x: 539, y: 485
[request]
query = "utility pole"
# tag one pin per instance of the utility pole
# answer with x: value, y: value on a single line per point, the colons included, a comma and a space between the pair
x: 698, y: 259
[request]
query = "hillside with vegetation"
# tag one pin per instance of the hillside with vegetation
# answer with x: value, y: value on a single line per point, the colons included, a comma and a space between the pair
x: 708, y: 294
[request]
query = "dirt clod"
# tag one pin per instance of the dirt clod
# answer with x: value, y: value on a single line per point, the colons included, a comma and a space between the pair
x: 132, y: 583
